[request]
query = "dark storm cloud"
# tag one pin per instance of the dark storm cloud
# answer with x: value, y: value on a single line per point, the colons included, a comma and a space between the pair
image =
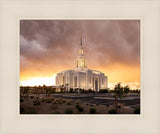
x: 56, y: 43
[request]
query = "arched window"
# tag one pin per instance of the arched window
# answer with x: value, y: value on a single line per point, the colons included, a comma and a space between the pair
x: 75, y: 81
x: 63, y: 80
x: 90, y: 80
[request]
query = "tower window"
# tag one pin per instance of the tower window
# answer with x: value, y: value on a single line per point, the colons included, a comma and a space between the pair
x: 63, y: 80
x: 75, y: 81
x: 90, y: 80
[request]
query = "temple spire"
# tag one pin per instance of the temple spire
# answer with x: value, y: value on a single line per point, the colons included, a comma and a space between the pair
x: 81, y: 40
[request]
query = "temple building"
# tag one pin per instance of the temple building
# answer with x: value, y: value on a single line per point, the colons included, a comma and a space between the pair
x: 81, y: 77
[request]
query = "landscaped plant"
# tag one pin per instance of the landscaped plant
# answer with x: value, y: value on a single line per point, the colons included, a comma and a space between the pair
x: 31, y: 97
x: 92, y: 110
x: 79, y: 108
x: 21, y: 110
x: 107, y: 105
x: 30, y: 110
x: 21, y: 100
x: 112, y: 111
x: 36, y: 102
x: 56, y: 112
x: 68, y: 111
x: 137, y: 110
x: 68, y: 103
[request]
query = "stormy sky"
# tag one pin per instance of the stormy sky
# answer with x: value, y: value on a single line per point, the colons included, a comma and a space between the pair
x: 51, y: 46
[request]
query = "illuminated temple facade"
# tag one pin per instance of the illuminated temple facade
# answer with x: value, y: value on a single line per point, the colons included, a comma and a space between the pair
x: 82, y: 77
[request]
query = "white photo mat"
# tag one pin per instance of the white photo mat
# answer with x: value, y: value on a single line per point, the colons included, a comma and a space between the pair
x: 148, y: 12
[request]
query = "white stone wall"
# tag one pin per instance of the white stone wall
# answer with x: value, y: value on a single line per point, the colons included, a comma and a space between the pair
x: 83, y: 79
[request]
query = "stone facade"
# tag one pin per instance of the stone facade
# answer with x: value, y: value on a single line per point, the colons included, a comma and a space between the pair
x: 81, y: 77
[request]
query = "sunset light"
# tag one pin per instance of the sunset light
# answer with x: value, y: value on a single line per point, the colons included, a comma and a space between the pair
x: 36, y: 81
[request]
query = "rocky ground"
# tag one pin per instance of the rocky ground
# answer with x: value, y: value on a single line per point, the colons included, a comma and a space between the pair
x: 75, y: 104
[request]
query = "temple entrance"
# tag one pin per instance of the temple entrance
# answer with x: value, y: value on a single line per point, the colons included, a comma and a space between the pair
x: 96, y: 84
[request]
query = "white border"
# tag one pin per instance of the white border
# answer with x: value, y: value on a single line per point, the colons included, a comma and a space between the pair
x: 147, y: 122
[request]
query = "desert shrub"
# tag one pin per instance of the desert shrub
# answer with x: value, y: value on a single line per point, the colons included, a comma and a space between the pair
x: 68, y: 111
x: 21, y: 110
x: 30, y: 110
x: 92, y: 110
x: 31, y: 97
x: 64, y: 101
x: 21, y: 100
x: 48, y: 101
x: 54, y: 102
x: 60, y: 101
x: 71, y: 101
x: 52, y: 99
x: 78, y: 101
x: 80, y: 109
x: 112, y: 111
x: 107, y: 105
x: 77, y: 105
x: 91, y: 105
x: 68, y: 103
x: 97, y: 104
x: 43, y: 100
x: 137, y: 110
x: 56, y: 112
x: 36, y: 102
x: 87, y: 104
x: 119, y: 106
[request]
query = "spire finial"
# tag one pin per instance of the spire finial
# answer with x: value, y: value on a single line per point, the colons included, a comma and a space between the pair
x: 81, y: 40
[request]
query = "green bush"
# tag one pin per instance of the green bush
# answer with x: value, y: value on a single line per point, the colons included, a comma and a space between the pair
x: 137, y: 110
x: 48, y: 101
x: 118, y: 106
x: 107, y: 105
x: 21, y: 110
x: 54, y: 102
x: 77, y: 105
x: 36, y: 102
x: 80, y: 109
x: 68, y: 111
x: 43, y: 100
x: 21, y: 100
x: 31, y: 97
x: 56, y: 112
x: 112, y: 111
x: 92, y: 110
x: 68, y: 103
x: 30, y: 110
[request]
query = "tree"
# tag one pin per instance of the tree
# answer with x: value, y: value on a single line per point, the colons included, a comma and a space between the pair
x: 45, y: 89
x: 126, y: 89
x: 62, y: 88
x: 118, y: 93
x: 67, y: 87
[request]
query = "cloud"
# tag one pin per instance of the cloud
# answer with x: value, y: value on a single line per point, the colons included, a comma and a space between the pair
x: 54, y: 44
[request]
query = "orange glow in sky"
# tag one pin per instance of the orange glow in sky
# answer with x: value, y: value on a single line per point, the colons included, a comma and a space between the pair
x: 48, y: 47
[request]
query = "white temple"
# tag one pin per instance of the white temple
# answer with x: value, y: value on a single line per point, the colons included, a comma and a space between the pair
x: 82, y: 77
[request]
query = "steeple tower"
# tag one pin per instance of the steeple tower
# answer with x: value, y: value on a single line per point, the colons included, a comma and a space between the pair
x: 81, y: 40
x: 81, y: 60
